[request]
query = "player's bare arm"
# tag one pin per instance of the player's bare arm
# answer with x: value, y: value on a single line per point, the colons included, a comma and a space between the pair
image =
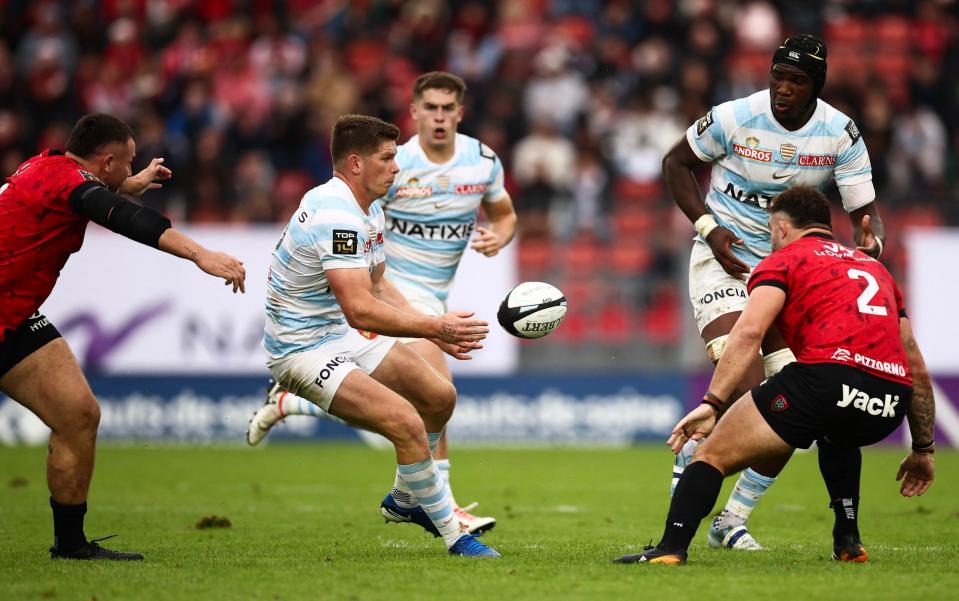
x: 215, y: 263
x: 678, y: 166
x: 385, y: 291
x: 764, y: 304
x: 502, y: 227
x: 917, y: 470
x: 868, y: 230
x: 353, y: 289
x: 148, y: 179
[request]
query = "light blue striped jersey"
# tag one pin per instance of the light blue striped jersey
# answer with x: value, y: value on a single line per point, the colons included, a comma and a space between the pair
x: 431, y: 212
x: 329, y: 230
x: 755, y: 158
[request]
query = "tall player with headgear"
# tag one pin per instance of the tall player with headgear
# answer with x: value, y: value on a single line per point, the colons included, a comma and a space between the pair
x: 759, y: 146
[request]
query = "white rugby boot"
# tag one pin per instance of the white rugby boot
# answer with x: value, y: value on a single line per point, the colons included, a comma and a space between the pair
x: 476, y: 525
x: 722, y: 536
x: 268, y: 415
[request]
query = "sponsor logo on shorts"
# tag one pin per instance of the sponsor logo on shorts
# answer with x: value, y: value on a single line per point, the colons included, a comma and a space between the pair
x: 368, y: 334
x: 40, y: 323
x: 885, y: 407
x: 779, y: 404
x: 327, y: 371
x: 715, y: 295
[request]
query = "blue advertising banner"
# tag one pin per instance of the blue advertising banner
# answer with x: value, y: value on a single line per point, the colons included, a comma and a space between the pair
x: 540, y: 409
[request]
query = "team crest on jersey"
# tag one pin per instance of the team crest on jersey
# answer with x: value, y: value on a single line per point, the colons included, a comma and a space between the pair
x: 344, y: 242
x: 779, y: 404
x: 704, y: 123
x: 788, y: 151
x: 413, y: 189
x: 443, y: 182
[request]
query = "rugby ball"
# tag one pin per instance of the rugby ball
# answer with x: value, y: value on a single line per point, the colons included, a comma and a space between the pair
x: 532, y: 310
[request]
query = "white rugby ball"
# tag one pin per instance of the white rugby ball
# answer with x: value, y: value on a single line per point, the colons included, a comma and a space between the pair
x: 532, y: 310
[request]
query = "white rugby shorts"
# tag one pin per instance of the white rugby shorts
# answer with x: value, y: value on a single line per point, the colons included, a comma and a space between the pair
x: 316, y: 374
x: 422, y: 301
x: 712, y: 291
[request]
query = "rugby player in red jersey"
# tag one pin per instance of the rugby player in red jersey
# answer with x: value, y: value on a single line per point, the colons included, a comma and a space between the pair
x: 44, y: 210
x: 858, y: 372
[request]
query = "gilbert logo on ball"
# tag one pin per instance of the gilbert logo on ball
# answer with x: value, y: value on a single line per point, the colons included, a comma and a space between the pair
x: 532, y: 310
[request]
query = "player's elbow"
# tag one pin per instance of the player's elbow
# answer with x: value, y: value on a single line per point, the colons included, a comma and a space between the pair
x: 359, y: 315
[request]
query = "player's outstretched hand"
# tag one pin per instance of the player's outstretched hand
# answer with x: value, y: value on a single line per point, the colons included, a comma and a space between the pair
x: 135, y: 185
x: 457, y: 351
x: 456, y: 327
x: 868, y: 243
x: 919, y: 470
x: 697, y: 424
x: 486, y: 242
x: 223, y: 266
x: 720, y: 240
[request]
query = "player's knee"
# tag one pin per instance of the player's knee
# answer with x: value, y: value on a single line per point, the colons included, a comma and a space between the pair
x: 83, y: 414
x: 439, y: 400
x: 706, y: 456
x: 407, y: 429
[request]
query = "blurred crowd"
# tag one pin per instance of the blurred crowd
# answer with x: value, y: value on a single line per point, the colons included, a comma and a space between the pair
x: 580, y: 99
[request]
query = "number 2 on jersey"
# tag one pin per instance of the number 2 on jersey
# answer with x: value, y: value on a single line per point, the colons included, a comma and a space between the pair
x: 872, y: 287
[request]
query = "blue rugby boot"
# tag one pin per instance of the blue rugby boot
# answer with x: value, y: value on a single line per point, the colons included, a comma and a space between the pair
x: 469, y: 546
x: 399, y: 515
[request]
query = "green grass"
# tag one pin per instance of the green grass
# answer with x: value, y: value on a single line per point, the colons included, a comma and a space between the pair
x: 305, y: 526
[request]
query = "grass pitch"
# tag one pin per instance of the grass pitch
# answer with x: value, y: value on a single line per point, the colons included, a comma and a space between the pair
x: 305, y: 526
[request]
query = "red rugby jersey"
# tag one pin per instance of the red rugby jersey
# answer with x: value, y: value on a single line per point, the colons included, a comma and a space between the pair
x: 38, y: 232
x: 842, y: 306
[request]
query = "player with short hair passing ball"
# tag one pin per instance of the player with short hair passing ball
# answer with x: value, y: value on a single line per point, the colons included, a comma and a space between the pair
x: 431, y: 212
x: 45, y: 207
x: 758, y: 147
x: 333, y: 319
x: 858, y: 373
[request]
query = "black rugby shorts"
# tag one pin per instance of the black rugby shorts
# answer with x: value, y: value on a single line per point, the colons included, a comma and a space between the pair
x: 849, y: 407
x: 18, y: 344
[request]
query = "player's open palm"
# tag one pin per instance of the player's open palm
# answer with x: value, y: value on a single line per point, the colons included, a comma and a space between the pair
x: 459, y: 327
x: 721, y: 240
x: 697, y: 424
x: 460, y: 351
x: 917, y: 471
x: 223, y: 266
x: 148, y: 179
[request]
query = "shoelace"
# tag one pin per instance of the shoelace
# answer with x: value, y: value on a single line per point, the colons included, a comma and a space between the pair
x: 97, y: 540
